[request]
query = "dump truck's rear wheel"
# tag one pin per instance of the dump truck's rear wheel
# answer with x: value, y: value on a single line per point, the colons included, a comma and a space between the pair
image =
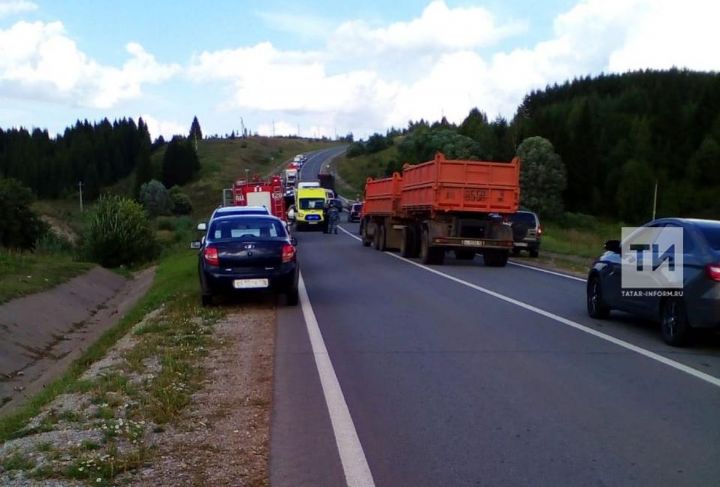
x: 428, y: 254
x: 382, y: 246
x: 408, y: 244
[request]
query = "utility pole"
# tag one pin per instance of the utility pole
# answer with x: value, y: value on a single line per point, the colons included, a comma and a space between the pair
x: 242, y: 124
x: 273, y: 128
x: 80, y: 185
x: 655, y: 199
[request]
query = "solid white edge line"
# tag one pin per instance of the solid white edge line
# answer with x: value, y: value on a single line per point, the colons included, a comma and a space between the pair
x: 621, y: 343
x: 540, y: 269
x: 355, y: 466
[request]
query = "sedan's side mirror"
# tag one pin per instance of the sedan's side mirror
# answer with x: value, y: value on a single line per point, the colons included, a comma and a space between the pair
x: 202, y: 227
x: 195, y: 245
x: 613, y: 246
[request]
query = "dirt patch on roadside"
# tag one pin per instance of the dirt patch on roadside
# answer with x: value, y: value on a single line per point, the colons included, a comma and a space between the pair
x: 222, y: 438
x: 41, y: 334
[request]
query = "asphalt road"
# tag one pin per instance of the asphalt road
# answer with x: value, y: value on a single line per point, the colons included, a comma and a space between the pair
x: 479, y: 376
x: 316, y: 160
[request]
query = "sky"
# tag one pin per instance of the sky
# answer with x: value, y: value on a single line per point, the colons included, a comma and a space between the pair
x: 323, y: 68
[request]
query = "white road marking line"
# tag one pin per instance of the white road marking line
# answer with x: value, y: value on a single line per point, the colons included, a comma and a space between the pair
x: 350, y: 234
x: 539, y: 269
x: 621, y: 343
x: 352, y: 456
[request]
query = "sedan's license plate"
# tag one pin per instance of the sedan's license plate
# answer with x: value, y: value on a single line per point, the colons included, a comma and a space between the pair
x: 473, y: 243
x: 250, y: 283
x: 520, y: 244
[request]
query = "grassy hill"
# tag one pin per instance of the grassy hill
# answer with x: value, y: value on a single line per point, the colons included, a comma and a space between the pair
x: 223, y: 161
x: 354, y: 171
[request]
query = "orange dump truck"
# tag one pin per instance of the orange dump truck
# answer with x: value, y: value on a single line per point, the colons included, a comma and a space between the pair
x: 444, y: 205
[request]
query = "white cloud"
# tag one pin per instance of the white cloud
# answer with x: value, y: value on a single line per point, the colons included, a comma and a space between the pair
x: 39, y: 61
x: 439, y: 28
x: 166, y: 128
x: 368, y: 78
x: 12, y: 7
x: 671, y: 33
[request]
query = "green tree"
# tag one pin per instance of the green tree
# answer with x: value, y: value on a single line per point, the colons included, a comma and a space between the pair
x: 542, y: 177
x: 634, y: 196
x: 182, y: 204
x: 180, y: 162
x: 20, y: 227
x: 156, y: 198
x: 118, y: 232
x: 143, y: 166
x: 195, y: 131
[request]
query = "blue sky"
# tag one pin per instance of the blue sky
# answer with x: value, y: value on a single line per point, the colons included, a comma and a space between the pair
x: 323, y: 67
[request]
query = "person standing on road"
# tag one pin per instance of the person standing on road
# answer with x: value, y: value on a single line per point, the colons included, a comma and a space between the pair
x: 333, y: 215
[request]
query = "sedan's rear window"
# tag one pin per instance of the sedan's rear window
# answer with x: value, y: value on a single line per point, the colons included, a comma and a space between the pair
x: 711, y: 232
x: 245, y: 227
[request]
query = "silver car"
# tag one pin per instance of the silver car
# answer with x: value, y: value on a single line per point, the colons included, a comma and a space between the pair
x: 697, y: 306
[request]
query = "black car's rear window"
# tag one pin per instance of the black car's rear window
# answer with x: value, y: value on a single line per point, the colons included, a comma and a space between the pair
x: 528, y: 218
x: 247, y: 228
x: 711, y: 232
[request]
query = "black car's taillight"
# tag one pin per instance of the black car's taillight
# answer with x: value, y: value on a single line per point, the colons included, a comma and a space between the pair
x: 288, y: 253
x: 210, y: 254
x: 713, y: 271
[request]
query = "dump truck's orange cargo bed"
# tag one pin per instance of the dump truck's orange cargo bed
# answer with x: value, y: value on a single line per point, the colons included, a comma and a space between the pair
x: 382, y: 196
x: 459, y: 185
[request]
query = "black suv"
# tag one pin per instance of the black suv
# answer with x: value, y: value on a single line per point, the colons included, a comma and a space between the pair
x: 526, y: 232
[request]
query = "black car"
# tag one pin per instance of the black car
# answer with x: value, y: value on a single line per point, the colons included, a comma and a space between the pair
x: 247, y: 253
x: 698, y: 302
x: 355, y: 211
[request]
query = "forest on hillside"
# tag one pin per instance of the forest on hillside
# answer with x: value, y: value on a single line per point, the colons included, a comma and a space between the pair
x: 617, y: 135
x: 97, y: 154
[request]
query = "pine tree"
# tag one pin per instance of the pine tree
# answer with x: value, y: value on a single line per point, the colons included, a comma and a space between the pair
x: 195, y: 132
x: 143, y: 166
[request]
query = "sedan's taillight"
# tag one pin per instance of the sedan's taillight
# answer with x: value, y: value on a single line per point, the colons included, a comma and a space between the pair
x: 713, y: 271
x: 211, y: 256
x: 288, y: 253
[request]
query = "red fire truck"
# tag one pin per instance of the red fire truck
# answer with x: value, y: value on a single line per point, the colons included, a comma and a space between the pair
x: 261, y: 193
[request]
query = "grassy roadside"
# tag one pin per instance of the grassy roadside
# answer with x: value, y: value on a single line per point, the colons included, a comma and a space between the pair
x: 23, y: 273
x: 174, y: 282
x: 135, y: 379
x: 573, y: 244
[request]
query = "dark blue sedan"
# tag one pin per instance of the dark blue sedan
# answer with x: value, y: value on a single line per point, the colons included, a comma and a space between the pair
x: 695, y: 304
x: 247, y: 253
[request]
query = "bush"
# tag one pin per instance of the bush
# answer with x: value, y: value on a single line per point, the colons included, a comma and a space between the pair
x: 118, y: 232
x: 165, y: 223
x: 578, y: 220
x: 182, y: 205
x: 156, y: 198
x: 20, y: 227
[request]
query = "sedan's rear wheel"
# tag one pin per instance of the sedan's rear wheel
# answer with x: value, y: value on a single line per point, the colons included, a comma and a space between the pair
x: 674, y: 324
x: 595, y: 305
